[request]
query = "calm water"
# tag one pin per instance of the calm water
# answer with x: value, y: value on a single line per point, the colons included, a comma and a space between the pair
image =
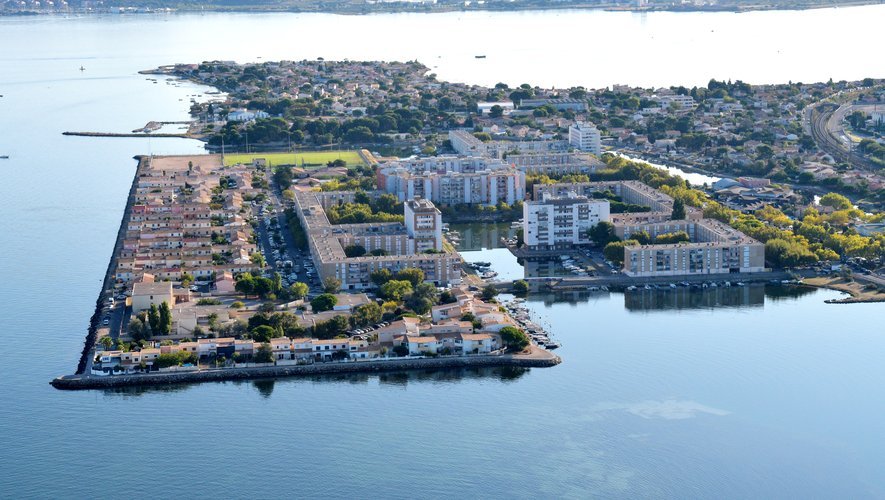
x: 763, y: 395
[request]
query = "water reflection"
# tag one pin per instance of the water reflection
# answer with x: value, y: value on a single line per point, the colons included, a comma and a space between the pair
x: 482, y: 235
x: 663, y: 299
x: 265, y: 387
x: 690, y: 298
x: 787, y: 292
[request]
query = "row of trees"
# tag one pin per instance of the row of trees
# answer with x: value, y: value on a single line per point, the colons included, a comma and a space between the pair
x: 153, y: 322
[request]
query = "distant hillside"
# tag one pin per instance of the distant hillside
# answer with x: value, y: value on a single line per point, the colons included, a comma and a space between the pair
x: 369, y: 6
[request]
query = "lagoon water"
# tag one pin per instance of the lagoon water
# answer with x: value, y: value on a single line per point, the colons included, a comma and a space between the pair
x: 762, y: 393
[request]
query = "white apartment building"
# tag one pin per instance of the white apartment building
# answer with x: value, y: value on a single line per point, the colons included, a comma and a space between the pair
x: 683, y: 101
x: 561, y: 221
x: 424, y: 225
x: 585, y: 137
x: 465, y: 143
x: 452, y: 180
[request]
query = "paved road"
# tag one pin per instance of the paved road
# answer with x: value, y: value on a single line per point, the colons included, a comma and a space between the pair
x: 291, y: 252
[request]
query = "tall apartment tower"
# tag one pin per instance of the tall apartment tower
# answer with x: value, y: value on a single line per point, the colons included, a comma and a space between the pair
x: 424, y: 224
x: 585, y: 137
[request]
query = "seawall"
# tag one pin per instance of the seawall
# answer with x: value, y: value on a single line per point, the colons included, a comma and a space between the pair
x: 540, y: 359
x: 108, y: 281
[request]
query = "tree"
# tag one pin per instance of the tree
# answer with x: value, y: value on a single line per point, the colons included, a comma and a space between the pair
x: 678, y: 210
x: 447, y: 297
x: 395, y: 289
x: 671, y: 238
x: 614, y: 251
x: 496, y: 111
x: 137, y: 330
x: 641, y: 236
x: 298, y: 290
x: 154, y: 319
x: 237, y: 305
x: 262, y: 286
x: 365, y: 314
x: 412, y: 275
x: 257, y: 259
x: 489, y: 292
x: 108, y: 342
x: 520, y: 287
x: 331, y: 285
x: 245, y: 284
x: 264, y: 354
x: 354, y: 250
x: 380, y: 276
x: 603, y: 233
x: 263, y: 333
x: 836, y: 201
x: 324, y: 302
x: 186, y: 279
x: 165, y: 318
x: 419, y: 304
x: 514, y: 338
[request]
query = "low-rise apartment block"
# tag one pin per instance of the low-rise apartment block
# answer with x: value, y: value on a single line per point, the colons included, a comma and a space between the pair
x: 464, y: 142
x: 558, y: 163
x: 452, y: 180
x: 401, y: 243
x: 714, y: 248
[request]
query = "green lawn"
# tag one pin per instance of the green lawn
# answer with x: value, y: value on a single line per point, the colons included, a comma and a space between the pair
x: 306, y: 157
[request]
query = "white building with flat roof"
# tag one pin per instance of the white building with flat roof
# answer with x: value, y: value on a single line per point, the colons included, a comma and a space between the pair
x: 452, y: 180
x: 585, y: 137
x: 424, y: 225
x: 561, y: 221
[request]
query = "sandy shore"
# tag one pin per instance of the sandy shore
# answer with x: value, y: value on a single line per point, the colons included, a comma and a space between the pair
x: 859, y: 292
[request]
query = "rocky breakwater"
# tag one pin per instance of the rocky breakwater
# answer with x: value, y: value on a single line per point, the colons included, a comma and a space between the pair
x: 537, y: 358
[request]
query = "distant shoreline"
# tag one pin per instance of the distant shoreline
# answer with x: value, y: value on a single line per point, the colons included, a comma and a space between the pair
x: 399, y: 8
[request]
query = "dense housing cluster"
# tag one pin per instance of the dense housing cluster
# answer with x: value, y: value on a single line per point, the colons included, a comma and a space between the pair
x: 417, y: 243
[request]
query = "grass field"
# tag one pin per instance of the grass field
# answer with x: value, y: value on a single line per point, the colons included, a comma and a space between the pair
x: 308, y: 158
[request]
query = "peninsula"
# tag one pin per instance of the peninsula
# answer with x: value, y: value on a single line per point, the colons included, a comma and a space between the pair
x: 316, y: 238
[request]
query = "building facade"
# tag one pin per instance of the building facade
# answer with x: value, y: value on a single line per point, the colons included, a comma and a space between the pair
x: 584, y: 136
x: 561, y: 221
x: 401, y: 246
x: 452, y: 180
x: 424, y: 225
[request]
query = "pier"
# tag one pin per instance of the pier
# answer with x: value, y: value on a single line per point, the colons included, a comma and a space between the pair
x: 124, y: 134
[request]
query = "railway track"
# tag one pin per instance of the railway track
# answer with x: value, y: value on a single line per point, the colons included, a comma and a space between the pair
x: 821, y: 123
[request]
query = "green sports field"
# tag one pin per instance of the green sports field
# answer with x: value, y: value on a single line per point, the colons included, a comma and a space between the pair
x: 307, y: 158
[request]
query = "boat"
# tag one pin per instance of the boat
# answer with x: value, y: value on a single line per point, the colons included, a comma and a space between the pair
x: 480, y: 57
x: 553, y: 345
x: 82, y: 68
x: 4, y: 157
